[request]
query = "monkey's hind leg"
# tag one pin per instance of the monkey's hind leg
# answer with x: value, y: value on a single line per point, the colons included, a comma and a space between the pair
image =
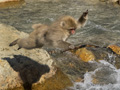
x: 13, y: 43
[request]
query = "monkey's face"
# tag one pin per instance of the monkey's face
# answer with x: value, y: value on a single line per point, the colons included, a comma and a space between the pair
x: 69, y: 24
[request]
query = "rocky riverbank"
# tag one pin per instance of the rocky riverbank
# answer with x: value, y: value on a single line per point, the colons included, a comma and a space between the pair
x: 25, y: 69
x: 34, y: 69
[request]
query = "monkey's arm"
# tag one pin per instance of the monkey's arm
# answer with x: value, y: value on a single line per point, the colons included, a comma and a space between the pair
x: 63, y: 45
x: 83, y: 19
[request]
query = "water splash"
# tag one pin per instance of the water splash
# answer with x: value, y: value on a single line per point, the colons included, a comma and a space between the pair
x: 105, y: 71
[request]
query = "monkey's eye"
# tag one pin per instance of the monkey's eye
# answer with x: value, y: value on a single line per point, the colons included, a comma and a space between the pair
x: 72, y: 29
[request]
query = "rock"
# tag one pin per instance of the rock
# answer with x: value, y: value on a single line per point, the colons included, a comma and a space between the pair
x: 115, y: 49
x: 104, y: 76
x: 79, y: 80
x: 73, y: 66
x: 8, y: 0
x: 117, y: 63
x: 85, y: 54
x: 95, y: 81
x: 57, y: 82
x: 42, y: 1
x: 25, y: 68
x: 11, y: 3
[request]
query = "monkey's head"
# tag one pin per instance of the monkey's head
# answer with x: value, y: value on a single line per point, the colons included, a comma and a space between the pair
x: 68, y: 23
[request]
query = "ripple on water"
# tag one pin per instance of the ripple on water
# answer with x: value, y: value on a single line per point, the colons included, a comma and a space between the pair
x: 107, y: 78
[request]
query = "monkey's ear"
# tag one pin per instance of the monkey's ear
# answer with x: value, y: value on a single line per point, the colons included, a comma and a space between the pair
x: 62, y: 23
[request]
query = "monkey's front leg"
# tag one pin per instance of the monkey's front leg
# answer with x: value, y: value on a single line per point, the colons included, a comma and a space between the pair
x: 83, y: 19
x: 62, y: 45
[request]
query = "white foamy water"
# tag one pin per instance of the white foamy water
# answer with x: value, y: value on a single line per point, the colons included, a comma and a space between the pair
x: 107, y: 75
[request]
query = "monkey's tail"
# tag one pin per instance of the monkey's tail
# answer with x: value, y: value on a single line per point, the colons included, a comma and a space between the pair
x: 13, y: 43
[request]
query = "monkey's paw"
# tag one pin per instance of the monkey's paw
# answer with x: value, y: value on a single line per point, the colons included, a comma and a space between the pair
x: 71, y: 47
x: 85, y: 15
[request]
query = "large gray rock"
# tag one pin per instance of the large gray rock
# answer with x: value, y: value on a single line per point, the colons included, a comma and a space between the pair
x: 21, y: 67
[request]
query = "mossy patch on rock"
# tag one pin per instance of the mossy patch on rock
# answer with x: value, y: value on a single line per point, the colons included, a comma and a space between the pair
x: 85, y: 54
x: 115, y: 49
x: 58, y: 82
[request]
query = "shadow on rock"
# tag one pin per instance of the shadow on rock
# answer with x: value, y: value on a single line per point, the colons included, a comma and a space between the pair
x: 30, y: 71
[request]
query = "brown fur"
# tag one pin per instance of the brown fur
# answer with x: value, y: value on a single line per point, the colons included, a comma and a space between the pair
x: 54, y: 35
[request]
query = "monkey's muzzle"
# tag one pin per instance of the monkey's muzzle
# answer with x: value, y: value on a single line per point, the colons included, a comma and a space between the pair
x: 72, y: 31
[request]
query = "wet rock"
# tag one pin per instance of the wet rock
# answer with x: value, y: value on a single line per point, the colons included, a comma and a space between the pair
x: 75, y: 62
x: 85, y: 54
x: 117, y: 63
x: 57, y: 82
x: 115, y: 49
x: 95, y: 81
x: 73, y: 66
x: 22, y: 68
x: 110, y: 54
x: 99, y: 53
x: 105, y: 75
x: 79, y: 80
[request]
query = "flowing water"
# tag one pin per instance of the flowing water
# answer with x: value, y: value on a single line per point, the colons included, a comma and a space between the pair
x: 102, y: 28
x: 110, y: 81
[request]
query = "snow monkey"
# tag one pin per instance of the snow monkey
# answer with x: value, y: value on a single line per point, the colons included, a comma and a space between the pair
x: 54, y: 35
